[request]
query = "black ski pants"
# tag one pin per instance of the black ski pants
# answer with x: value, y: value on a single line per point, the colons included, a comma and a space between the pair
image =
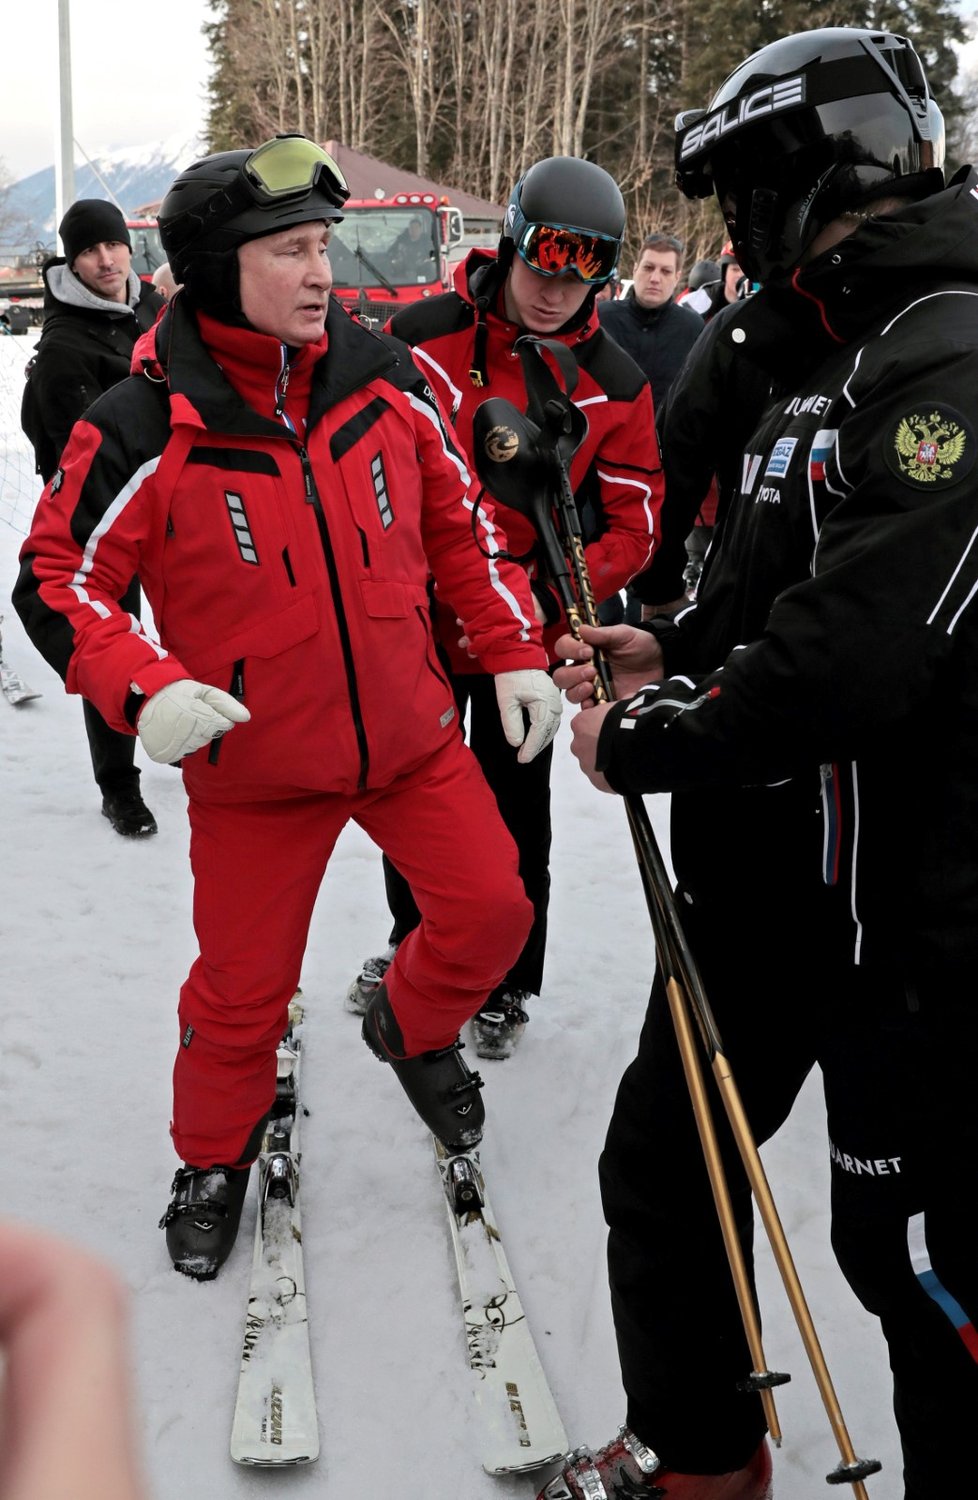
x: 113, y: 754
x: 522, y: 795
x: 897, y: 1060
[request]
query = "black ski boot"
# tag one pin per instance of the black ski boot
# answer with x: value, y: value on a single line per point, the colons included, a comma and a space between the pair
x: 438, y: 1084
x: 202, y: 1219
x: 499, y: 1024
x: 364, y: 987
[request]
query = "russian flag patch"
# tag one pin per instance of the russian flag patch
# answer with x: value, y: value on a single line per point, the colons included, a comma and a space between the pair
x: 821, y: 448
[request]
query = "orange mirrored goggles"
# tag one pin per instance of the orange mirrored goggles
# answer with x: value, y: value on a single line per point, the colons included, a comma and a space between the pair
x: 290, y: 166
x: 555, y: 250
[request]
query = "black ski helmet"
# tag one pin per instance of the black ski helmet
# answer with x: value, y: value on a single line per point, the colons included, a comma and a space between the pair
x: 568, y: 192
x: 224, y: 200
x: 704, y: 272
x: 808, y: 128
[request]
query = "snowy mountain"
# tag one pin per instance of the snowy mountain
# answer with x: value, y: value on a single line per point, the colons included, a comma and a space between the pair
x: 133, y: 176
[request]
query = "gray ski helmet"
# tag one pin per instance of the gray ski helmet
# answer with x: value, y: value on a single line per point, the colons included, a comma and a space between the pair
x: 224, y: 200
x: 808, y: 128
x: 566, y: 192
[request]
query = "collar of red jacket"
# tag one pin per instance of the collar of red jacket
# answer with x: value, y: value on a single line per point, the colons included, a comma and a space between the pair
x: 267, y: 374
x: 479, y: 281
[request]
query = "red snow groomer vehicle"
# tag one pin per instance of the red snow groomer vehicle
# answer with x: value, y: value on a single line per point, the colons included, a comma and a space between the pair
x: 147, y: 247
x: 388, y: 252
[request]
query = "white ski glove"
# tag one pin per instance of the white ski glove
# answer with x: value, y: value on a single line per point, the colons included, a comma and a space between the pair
x: 185, y: 715
x: 533, y: 690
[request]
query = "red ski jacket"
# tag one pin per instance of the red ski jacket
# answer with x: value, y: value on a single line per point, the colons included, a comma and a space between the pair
x: 465, y: 347
x: 283, y: 510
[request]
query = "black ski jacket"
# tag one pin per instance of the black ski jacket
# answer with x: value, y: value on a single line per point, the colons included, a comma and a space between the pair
x: 820, y: 705
x: 712, y: 407
x: 85, y: 348
x: 657, y: 338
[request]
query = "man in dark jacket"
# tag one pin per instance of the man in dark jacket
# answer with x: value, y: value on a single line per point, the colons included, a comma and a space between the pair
x: 95, y: 308
x: 817, y: 725
x: 656, y: 331
x: 284, y: 483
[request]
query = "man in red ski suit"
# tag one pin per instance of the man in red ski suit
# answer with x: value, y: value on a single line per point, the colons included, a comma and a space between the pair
x: 283, y: 483
x: 542, y: 280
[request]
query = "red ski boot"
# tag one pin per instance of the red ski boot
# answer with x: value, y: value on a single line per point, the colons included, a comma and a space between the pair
x: 627, y: 1470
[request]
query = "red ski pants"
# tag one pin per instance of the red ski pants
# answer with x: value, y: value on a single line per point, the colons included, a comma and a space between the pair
x: 257, y: 871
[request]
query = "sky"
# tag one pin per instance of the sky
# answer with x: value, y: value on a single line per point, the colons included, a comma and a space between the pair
x: 138, y: 76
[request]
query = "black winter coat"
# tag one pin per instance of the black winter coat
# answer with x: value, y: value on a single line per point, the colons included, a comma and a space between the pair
x: 81, y: 353
x: 657, y: 338
x: 819, y: 717
x: 713, y: 406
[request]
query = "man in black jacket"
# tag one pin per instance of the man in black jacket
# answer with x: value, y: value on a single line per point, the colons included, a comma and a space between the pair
x: 815, y: 717
x: 656, y: 331
x: 95, y: 308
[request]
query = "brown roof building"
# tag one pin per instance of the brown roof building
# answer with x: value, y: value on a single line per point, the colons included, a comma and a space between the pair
x: 369, y: 177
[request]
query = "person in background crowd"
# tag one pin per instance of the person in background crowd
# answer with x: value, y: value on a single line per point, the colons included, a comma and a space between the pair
x: 703, y: 272
x: 542, y: 280
x: 284, y: 484
x: 714, y: 296
x: 95, y: 308
x: 163, y: 281
x: 412, y: 256
x: 814, y: 717
x: 658, y: 334
x: 647, y: 322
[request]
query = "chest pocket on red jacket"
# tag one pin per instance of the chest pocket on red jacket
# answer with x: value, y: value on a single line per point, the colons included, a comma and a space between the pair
x: 376, y: 457
x: 232, y: 531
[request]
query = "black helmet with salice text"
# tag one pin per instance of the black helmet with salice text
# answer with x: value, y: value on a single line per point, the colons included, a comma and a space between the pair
x: 224, y: 200
x: 808, y: 128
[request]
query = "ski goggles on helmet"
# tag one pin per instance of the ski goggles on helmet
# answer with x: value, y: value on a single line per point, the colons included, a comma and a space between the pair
x: 556, y: 250
x: 290, y: 166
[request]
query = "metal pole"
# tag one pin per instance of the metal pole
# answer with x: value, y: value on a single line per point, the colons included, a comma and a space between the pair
x: 64, y: 166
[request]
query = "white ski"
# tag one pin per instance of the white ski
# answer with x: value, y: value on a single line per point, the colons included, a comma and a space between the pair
x: 13, y: 686
x: 275, y: 1422
x: 521, y: 1427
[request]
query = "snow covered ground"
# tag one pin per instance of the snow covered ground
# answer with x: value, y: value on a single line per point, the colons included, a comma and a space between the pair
x: 96, y: 939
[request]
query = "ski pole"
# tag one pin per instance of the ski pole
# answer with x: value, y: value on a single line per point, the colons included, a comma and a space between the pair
x: 761, y: 1379
x: 555, y: 503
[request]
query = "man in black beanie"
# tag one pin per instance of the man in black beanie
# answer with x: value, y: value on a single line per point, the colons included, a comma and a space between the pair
x: 95, y: 307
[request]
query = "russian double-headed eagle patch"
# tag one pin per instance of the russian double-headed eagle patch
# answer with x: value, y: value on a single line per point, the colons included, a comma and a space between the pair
x: 933, y: 447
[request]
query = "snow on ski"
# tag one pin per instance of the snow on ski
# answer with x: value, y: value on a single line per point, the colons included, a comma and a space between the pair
x: 275, y: 1422
x: 521, y: 1427
x: 13, y: 686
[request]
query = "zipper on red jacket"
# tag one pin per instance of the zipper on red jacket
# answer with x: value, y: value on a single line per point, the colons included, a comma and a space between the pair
x: 346, y: 646
x: 282, y: 390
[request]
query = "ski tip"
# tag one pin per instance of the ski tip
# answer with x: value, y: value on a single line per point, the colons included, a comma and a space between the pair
x: 287, y: 1460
